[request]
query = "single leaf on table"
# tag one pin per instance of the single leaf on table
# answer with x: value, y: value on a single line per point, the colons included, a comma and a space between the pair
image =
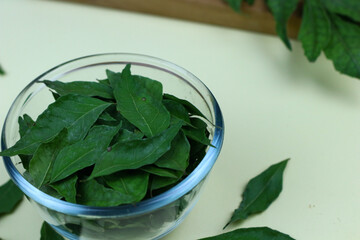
x: 83, y: 153
x: 75, y: 112
x: 282, y: 10
x: 90, y: 89
x: 132, y: 184
x: 177, y: 111
x: 344, y: 46
x: 260, y: 192
x: 177, y: 157
x: 10, y: 196
x: 315, y: 29
x: 139, y: 100
x: 349, y: 8
x: 25, y: 123
x: 67, y: 188
x: 48, y: 233
x: 198, y: 132
x: 135, y: 154
x: 162, y: 172
x: 92, y: 193
x: 189, y: 106
x: 258, y: 233
x: 43, y: 160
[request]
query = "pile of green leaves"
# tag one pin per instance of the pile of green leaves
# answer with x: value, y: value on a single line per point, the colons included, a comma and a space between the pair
x: 332, y: 26
x: 116, y: 141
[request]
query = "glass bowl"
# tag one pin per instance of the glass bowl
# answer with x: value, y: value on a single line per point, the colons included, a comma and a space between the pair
x: 149, y: 219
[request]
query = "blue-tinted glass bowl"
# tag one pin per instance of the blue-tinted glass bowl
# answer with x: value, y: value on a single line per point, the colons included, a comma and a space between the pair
x: 150, y: 219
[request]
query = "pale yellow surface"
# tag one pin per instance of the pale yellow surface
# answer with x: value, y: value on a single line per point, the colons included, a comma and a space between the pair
x: 275, y: 105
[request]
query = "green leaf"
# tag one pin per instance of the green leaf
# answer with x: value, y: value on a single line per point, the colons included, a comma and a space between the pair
x: 234, y: 4
x: 105, y: 116
x: 259, y: 233
x: 95, y: 194
x: 189, y: 106
x: 158, y: 182
x: 177, y: 157
x: 43, y: 160
x: 198, y: 132
x: 139, y: 100
x: 315, y: 29
x: 260, y: 192
x: 349, y: 8
x: 344, y: 46
x: 282, y: 10
x: 113, y: 77
x: 135, y: 154
x: 46, y: 189
x: 2, y: 72
x: 48, y: 233
x: 83, y: 153
x: 75, y: 112
x: 162, y: 172
x: 90, y: 89
x: 177, y: 111
x: 67, y: 188
x: 25, y: 123
x: 10, y: 196
x: 131, y: 184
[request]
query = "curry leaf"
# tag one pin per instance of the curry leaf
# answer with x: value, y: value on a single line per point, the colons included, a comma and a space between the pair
x: 48, y: 233
x: 162, y: 172
x: 234, y: 4
x: 134, y: 154
x: 42, y: 162
x: 259, y: 233
x: 83, y: 153
x: 189, y: 106
x: 113, y: 77
x: 344, y: 46
x: 84, y: 88
x: 260, y: 192
x: 92, y: 193
x: 177, y: 157
x: 132, y: 184
x: 75, y: 112
x: 25, y: 123
x: 10, y: 196
x: 158, y: 182
x: 350, y: 8
x: 198, y: 132
x: 177, y: 110
x: 67, y: 188
x: 282, y: 10
x: 139, y: 100
x: 315, y: 29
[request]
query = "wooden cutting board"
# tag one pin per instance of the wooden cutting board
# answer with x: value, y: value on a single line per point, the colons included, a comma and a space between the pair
x: 253, y: 18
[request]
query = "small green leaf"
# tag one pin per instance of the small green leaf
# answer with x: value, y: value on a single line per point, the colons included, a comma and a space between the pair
x: 113, y: 77
x: 282, y: 10
x: 234, y: 4
x: 177, y: 157
x: 139, y: 100
x: 75, y: 112
x: 162, y: 172
x: 83, y: 153
x: 90, y: 89
x: 177, y: 111
x: 158, y: 182
x: 43, y: 160
x: 135, y: 154
x: 67, y: 188
x: 25, y: 123
x: 198, y: 132
x: 260, y: 192
x: 48, y: 233
x: 259, y: 233
x: 344, y: 46
x: 10, y: 196
x: 315, y: 29
x: 46, y: 189
x: 132, y: 184
x: 105, y: 116
x: 189, y: 106
x: 349, y: 8
x: 92, y: 193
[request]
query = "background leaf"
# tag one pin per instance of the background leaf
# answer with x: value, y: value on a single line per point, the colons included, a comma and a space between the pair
x: 282, y: 10
x: 344, y: 46
x: 315, y: 29
x: 349, y: 8
x: 10, y: 196
x: 48, y: 233
x: 260, y: 233
x: 260, y: 192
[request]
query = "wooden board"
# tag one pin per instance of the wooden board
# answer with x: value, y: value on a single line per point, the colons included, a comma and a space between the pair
x: 253, y: 18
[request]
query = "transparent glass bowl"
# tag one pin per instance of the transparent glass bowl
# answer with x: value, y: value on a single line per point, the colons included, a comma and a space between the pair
x: 150, y: 219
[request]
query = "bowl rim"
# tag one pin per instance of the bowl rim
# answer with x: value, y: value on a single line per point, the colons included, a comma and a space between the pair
x: 148, y: 205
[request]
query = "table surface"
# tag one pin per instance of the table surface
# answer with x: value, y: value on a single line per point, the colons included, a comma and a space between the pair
x: 275, y: 104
